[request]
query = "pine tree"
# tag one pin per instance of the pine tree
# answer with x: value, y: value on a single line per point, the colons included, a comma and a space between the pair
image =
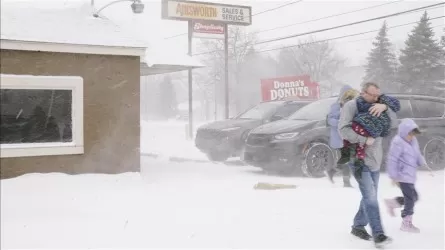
x: 381, y: 65
x: 421, y: 58
x: 442, y: 44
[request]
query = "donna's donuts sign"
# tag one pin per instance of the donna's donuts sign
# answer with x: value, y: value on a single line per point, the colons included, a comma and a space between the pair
x: 290, y: 88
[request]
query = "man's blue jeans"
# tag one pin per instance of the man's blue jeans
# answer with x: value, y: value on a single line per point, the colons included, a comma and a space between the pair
x: 368, y: 211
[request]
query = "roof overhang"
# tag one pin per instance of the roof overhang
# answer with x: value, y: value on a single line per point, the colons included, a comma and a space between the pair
x: 70, y: 48
x: 166, y: 61
x: 151, y: 63
x: 157, y: 69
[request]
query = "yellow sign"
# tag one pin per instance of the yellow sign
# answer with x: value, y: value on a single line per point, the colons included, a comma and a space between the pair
x: 190, y: 10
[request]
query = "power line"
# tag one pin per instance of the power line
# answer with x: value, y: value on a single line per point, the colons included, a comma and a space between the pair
x: 276, y: 8
x: 325, y: 17
x: 350, y: 24
x: 308, y: 21
x: 345, y: 36
x: 259, y: 13
x: 335, y: 27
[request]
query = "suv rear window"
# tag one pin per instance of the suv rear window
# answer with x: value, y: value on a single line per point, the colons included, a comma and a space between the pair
x: 288, y: 109
x: 405, y: 109
x: 427, y: 108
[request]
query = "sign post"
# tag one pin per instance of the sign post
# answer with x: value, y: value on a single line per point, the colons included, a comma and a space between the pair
x: 226, y: 73
x: 190, y: 80
x: 207, y: 18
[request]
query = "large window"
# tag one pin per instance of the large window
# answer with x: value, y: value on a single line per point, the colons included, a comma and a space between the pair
x: 41, y: 115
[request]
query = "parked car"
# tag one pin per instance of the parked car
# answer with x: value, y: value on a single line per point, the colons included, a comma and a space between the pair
x: 299, y: 143
x: 220, y: 140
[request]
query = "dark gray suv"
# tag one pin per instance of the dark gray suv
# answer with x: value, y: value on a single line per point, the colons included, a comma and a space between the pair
x: 299, y: 143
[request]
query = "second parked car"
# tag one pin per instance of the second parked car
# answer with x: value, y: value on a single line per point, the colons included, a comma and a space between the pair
x: 299, y: 143
x: 223, y: 139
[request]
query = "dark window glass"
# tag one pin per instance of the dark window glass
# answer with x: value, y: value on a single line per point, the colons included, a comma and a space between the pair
x: 288, y: 109
x: 427, y: 109
x: 405, y: 109
x: 35, y: 116
x: 315, y: 111
x: 259, y: 111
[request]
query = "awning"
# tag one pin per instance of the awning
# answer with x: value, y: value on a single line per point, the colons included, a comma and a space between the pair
x: 167, y: 61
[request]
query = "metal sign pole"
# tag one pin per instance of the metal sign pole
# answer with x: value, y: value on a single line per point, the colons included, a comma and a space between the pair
x: 226, y: 69
x: 190, y: 81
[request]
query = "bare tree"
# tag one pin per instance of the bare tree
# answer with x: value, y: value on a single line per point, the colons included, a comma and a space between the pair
x: 317, y: 59
x: 241, y: 43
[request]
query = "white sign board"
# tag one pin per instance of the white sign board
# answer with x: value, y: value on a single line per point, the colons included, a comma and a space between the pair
x: 204, y: 29
x: 204, y: 11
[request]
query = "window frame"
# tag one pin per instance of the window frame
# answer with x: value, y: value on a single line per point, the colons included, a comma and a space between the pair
x: 430, y: 101
x: 73, y: 83
x: 408, y: 100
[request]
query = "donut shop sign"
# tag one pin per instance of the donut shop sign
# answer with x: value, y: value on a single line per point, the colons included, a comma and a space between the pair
x: 193, y: 11
x: 290, y: 88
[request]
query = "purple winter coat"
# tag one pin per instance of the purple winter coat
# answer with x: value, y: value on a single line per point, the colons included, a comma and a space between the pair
x: 404, y: 157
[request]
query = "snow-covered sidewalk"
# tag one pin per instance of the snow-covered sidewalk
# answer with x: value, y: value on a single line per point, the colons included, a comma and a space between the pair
x: 167, y: 139
x: 199, y: 205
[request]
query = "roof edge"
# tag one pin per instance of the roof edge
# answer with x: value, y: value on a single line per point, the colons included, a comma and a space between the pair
x: 10, y: 44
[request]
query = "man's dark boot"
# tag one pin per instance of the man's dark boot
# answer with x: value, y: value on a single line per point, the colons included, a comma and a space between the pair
x: 361, y: 233
x: 382, y: 240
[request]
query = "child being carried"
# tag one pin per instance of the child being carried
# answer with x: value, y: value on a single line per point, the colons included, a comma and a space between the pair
x: 367, y: 125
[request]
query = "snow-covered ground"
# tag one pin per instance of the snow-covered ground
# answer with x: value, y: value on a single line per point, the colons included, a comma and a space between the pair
x: 200, y: 205
x: 169, y: 139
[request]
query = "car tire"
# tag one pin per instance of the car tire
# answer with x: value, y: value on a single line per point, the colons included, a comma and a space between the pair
x: 218, y: 156
x: 318, y: 157
x: 434, y: 152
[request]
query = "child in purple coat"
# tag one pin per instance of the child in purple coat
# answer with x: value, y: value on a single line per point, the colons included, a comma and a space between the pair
x: 404, y: 158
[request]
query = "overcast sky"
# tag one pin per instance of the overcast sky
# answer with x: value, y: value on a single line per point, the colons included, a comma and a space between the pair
x: 152, y: 27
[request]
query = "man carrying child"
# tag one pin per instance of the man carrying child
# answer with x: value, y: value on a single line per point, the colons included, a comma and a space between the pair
x: 368, y: 173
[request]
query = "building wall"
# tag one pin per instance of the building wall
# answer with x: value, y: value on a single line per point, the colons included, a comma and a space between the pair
x: 111, y: 111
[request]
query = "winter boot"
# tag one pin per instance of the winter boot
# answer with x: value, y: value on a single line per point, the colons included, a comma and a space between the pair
x: 361, y: 233
x: 392, y: 204
x: 382, y: 240
x: 346, y: 182
x: 407, y: 225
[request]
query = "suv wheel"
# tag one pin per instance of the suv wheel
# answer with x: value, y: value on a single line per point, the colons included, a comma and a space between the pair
x: 318, y: 157
x: 218, y: 156
x: 434, y: 152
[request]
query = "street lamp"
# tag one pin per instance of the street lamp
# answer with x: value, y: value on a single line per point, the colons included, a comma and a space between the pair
x: 137, y: 6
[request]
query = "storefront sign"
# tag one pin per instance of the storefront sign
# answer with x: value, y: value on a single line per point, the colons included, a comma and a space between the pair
x: 204, y: 29
x: 199, y: 11
x: 290, y: 88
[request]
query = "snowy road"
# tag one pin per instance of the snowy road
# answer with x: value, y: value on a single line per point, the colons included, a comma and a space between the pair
x: 201, y: 205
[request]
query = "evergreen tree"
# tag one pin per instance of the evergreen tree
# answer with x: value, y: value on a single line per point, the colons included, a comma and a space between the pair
x: 421, y: 59
x: 168, y: 102
x: 381, y: 65
x: 442, y: 44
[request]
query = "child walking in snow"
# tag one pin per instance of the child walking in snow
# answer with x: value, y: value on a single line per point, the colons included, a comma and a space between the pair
x: 404, y: 158
x: 365, y: 124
